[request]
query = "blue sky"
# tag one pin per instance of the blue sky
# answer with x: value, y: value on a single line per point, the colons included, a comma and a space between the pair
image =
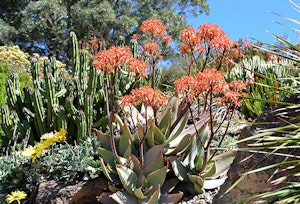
x: 251, y: 18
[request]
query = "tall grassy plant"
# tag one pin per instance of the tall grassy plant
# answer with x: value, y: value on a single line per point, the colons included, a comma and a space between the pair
x: 283, y: 141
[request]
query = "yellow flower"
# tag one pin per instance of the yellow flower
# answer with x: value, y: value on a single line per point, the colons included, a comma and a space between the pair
x: 56, y: 137
x: 44, y: 144
x: 15, y: 196
x: 49, y: 136
x: 61, y: 135
x: 32, y: 152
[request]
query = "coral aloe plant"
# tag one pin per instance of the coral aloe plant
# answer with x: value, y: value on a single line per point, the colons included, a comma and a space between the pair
x: 161, y: 154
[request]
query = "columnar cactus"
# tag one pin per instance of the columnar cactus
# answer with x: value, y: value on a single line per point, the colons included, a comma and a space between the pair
x: 71, y: 100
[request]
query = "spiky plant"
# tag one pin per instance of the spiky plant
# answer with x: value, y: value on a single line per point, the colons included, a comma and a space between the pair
x: 281, y: 142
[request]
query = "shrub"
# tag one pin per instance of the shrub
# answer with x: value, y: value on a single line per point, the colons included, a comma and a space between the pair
x: 15, y: 58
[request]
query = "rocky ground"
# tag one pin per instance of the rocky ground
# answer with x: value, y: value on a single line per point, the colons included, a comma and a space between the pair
x: 204, y: 198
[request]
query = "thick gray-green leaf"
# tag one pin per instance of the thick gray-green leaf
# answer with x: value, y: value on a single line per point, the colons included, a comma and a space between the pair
x: 128, y: 178
x: 122, y: 197
x: 179, y: 169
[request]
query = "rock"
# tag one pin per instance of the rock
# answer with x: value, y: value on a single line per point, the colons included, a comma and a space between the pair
x: 244, y: 161
x: 83, y: 192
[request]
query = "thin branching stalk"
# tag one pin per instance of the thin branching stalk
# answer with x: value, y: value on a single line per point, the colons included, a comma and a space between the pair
x: 141, y: 147
x: 206, y: 59
x: 207, y: 148
x: 110, y: 115
x: 220, y: 62
x: 131, y: 117
x: 191, y: 63
x: 223, y: 136
x: 152, y: 68
x: 193, y: 119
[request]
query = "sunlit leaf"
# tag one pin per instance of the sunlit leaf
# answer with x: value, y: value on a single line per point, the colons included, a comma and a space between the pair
x: 179, y: 169
x: 122, y: 197
x: 128, y: 178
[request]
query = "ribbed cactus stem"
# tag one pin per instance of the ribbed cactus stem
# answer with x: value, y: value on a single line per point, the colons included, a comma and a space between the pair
x: 134, y: 48
x: 81, y: 125
x: 101, y: 80
x: 60, y: 118
x: 54, y: 71
x: 35, y: 70
x: 78, y: 92
x: 39, y: 111
x: 28, y: 113
x: 14, y: 95
x: 14, y: 117
x: 80, y: 98
x: 6, y: 121
x: 91, y: 89
x: 70, y: 108
x: 16, y: 82
x: 28, y: 97
x: 83, y: 70
x: 49, y: 93
x: 88, y: 110
x: 74, y: 54
x: 11, y: 94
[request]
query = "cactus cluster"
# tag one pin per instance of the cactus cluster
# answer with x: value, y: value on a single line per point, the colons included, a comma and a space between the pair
x: 73, y: 100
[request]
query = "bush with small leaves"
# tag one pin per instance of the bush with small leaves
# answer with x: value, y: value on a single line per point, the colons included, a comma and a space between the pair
x: 61, y: 162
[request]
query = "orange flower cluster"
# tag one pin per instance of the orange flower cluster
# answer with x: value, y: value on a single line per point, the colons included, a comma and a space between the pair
x: 144, y: 95
x: 187, y: 86
x: 214, y: 36
x: 157, y: 32
x: 138, y: 66
x: 208, y: 34
x: 150, y: 47
x: 153, y: 27
x: 190, y: 37
x: 135, y: 36
x: 168, y: 39
x: 110, y: 60
x: 233, y: 93
x: 210, y: 81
